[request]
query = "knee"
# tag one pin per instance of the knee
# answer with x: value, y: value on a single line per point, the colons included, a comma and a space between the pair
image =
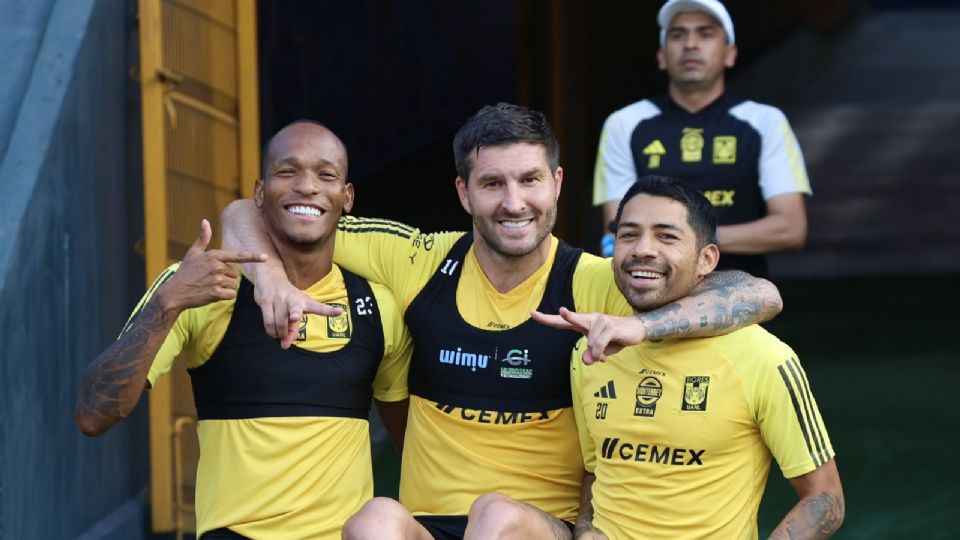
x: 498, y: 511
x: 379, y: 516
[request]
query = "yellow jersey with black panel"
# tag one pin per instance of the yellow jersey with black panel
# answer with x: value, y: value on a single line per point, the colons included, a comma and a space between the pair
x: 494, y: 427
x: 284, y: 437
x: 680, y: 433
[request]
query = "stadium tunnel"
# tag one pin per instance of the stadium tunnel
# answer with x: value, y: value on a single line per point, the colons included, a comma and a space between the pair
x: 124, y: 122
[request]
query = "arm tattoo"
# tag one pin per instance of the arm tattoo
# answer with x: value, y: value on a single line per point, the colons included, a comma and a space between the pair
x: 723, y: 302
x: 817, y: 517
x: 111, y: 385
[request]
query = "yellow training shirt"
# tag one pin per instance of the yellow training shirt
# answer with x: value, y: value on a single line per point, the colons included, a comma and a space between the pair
x: 452, y: 454
x: 290, y: 476
x: 680, y: 433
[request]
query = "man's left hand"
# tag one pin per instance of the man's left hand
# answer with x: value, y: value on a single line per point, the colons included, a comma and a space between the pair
x: 606, y: 334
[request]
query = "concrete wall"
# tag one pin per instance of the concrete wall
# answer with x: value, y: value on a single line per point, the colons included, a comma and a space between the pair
x: 21, y: 32
x: 65, y: 275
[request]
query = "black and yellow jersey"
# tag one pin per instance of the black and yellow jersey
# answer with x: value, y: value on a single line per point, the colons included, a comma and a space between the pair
x: 680, y: 433
x: 503, y: 421
x: 284, y: 437
x: 737, y: 152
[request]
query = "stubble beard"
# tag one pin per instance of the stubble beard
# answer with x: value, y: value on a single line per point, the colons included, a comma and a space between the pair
x: 487, y: 230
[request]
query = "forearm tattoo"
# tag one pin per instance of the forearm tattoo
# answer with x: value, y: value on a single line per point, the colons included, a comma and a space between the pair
x: 107, y: 384
x: 723, y: 302
x: 814, y: 518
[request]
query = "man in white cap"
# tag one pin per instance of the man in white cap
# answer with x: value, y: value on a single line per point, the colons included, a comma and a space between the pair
x: 740, y: 154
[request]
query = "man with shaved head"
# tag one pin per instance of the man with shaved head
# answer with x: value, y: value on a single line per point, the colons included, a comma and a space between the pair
x: 284, y: 438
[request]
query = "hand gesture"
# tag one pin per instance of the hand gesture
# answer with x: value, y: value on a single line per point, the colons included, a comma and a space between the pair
x: 204, y: 276
x: 283, y: 305
x: 605, y: 334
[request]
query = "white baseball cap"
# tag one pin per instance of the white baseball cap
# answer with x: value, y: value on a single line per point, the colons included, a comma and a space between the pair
x: 712, y: 7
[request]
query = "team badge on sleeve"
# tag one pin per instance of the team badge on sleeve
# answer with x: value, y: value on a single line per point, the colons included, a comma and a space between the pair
x: 695, y: 393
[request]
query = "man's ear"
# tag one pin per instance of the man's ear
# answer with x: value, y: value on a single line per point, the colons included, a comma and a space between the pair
x: 730, y: 58
x: 347, y: 197
x: 661, y: 60
x: 559, y: 179
x: 709, y: 257
x: 462, y: 193
x: 258, y: 193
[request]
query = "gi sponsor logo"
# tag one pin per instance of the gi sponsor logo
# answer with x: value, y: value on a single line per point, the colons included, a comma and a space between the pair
x: 614, y: 449
x: 725, y: 150
x: 516, y: 368
x: 464, y: 359
x: 337, y: 327
x: 653, y: 151
x: 691, y: 145
x: 648, y: 393
x: 695, y: 393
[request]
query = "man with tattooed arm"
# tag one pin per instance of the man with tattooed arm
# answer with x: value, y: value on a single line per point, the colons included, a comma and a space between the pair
x: 678, y: 435
x: 284, y: 437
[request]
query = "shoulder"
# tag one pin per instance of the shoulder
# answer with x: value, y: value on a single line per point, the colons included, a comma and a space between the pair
x: 386, y: 302
x: 590, y: 263
x: 633, y: 114
x: 441, y: 242
x: 751, y: 348
x: 592, y: 271
x: 761, y: 116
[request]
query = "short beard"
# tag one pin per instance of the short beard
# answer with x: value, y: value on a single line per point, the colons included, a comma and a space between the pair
x: 303, y: 245
x: 491, y: 238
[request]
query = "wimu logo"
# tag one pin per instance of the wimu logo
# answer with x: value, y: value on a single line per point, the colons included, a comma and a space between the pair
x: 465, y: 359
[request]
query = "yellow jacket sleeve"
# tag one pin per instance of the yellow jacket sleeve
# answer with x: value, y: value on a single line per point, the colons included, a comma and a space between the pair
x: 594, y: 289
x: 390, y: 383
x: 388, y: 252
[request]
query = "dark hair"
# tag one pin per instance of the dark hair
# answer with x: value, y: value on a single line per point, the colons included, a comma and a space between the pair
x: 700, y: 215
x: 499, y: 125
x: 265, y: 151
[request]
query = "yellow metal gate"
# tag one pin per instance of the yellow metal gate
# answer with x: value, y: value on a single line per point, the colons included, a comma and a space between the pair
x: 198, y: 74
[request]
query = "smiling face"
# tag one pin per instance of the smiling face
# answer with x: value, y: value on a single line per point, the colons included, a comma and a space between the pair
x: 695, y: 52
x: 304, y: 189
x: 512, y: 195
x: 656, y: 257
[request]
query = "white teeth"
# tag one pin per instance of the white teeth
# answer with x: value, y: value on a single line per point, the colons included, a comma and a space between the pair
x: 304, y: 211
x: 515, y: 224
x: 645, y: 275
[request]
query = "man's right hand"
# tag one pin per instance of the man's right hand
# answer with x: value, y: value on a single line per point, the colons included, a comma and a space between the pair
x: 283, y: 305
x: 204, y: 276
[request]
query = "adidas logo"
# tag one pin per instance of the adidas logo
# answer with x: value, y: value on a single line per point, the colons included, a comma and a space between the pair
x: 607, y: 391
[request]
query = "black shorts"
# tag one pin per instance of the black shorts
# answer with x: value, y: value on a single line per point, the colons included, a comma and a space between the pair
x: 452, y: 527
x: 222, y: 534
